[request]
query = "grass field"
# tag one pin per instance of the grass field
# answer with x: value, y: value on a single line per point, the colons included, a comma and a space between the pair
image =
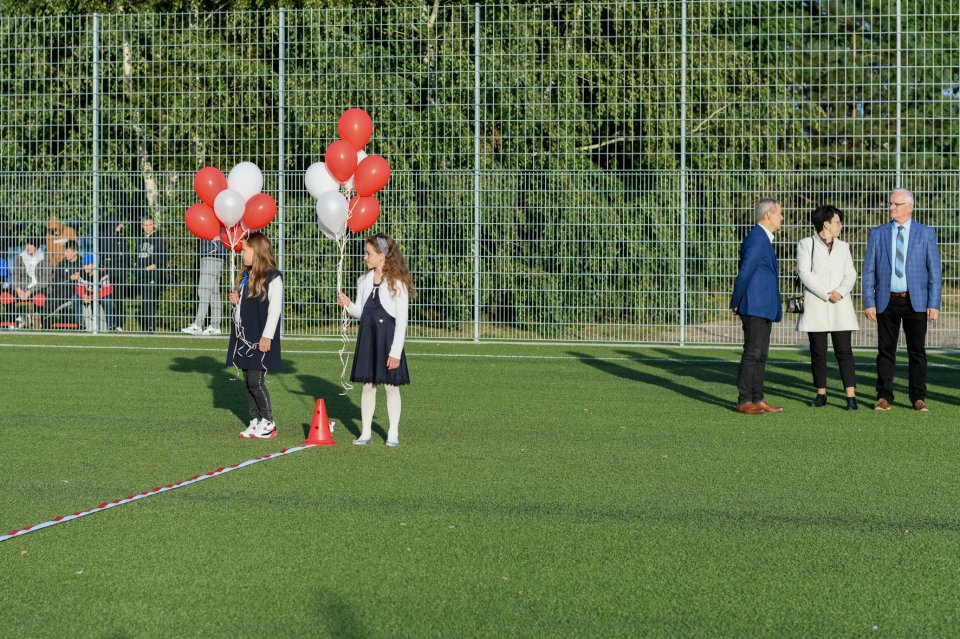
x: 538, y: 492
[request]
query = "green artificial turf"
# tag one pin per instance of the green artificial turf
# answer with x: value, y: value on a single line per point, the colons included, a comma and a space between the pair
x: 538, y: 491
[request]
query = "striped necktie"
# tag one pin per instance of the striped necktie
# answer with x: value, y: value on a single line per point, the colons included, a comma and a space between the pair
x: 901, y: 253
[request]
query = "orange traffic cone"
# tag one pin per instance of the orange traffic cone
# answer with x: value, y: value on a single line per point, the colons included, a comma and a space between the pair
x: 320, y: 427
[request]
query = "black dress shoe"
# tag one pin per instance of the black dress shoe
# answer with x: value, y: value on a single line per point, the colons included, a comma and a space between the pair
x: 819, y: 400
x: 851, y: 403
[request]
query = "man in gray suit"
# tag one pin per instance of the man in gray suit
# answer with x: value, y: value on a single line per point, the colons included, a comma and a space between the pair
x: 901, y: 284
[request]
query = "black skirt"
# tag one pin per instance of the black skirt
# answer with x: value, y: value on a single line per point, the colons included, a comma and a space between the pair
x: 374, y: 339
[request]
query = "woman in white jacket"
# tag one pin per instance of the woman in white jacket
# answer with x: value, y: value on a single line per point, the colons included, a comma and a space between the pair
x: 826, y: 270
x: 383, y: 296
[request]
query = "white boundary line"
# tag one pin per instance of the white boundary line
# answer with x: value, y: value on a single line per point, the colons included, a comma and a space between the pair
x: 149, y: 493
x: 581, y: 358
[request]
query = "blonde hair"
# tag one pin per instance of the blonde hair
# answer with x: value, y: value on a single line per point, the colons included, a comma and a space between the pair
x: 394, y: 266
x: 264, y: 261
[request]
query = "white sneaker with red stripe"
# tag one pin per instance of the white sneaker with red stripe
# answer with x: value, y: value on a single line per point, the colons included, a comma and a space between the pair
x: 266, y: 430
x: 248, y: 432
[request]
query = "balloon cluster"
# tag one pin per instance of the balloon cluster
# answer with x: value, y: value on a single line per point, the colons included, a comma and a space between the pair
x: 230, y: 207
x: 346, y: 163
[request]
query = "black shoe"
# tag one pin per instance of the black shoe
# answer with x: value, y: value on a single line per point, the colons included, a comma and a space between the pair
x: 819, y: 400
x: 851, y: 403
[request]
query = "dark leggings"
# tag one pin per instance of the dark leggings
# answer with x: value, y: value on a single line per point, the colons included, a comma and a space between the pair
x: 842, y: 350
x: 257, y: 395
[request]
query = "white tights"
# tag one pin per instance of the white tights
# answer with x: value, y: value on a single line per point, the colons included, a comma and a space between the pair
x: 368, y: 402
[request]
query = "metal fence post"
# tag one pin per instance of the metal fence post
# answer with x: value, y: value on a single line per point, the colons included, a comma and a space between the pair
x: 281, y: 105
x: 683, y: 171
x: 899, y: 90
x: 95, y: 186
x: 476, y: 173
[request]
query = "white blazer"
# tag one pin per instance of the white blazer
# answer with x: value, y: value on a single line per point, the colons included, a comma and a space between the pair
x: 829, y: 271
x: 397, y: 306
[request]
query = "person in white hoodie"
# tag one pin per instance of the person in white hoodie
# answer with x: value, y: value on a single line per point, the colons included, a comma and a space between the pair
x: 31, y: 277
x: 382, y: 305
x: 826, y: 269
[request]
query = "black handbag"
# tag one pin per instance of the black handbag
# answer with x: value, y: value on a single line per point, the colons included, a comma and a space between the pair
x: 795, y: 303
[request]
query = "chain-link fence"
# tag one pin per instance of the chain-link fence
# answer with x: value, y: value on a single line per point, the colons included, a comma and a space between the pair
x: 576, y: 171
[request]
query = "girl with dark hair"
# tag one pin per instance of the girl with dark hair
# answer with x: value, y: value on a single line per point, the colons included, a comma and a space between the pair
x: 826, y: 269
x: 383, y: 297
x: 254, y: 341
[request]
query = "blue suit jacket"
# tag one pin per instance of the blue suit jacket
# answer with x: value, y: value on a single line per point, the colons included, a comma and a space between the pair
x: 756, y: 290
x: 922, y: 268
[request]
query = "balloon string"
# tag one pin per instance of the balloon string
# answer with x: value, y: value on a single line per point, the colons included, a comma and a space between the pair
x: 344, y: 317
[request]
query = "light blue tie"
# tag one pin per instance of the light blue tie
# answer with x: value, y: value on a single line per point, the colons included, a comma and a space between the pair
x: 901, y: 253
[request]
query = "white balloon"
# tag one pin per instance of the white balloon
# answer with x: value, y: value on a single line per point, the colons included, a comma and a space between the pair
x: 332, y: 211
x: 360, y: 155
x: 318, y: 180
x: 229, y: 207
x: 246, y: 179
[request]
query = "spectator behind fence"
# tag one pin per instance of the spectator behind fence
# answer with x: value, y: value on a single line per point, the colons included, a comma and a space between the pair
x: 114, y: 245
x: 151, y: 262
x: 94, y: 285
x: 58, y: 234
x: 902, y: 282
x: 30, y: 278
x: 756, y: 299
x: 63, y: 287
x: 208, y: 289
x: 826, y: 270
x: 6, y: 297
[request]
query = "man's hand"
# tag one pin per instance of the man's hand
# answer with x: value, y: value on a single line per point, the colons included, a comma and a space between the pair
x: 151, y: 267
x: 933, y: 314
x: 734, y: 311
x: 835, y: 297
x: 871, y: 313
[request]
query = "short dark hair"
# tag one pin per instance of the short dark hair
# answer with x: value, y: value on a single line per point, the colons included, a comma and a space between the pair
x: 823, y: 214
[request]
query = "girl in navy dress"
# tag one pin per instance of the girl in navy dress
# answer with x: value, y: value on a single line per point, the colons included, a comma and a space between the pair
x: 383, y: 296
x: 254, y: 341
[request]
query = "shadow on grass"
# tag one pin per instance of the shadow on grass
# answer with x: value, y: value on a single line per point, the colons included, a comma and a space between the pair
x: 225, y: 384
x: 340, y: 617
x: 340, y: 408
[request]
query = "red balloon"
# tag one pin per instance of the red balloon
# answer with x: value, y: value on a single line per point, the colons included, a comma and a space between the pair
x: 208, y: 182
x: 259, y: 211
x: 364, y: 212
x: 341, y: 160
x: 372, y: 175
x: 202, y: 221
x: 233, y: 237
x: 356, y: 127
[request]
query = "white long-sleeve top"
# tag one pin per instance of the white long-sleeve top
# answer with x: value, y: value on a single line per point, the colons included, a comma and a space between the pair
x: 396, y: 305
x: 274, y: 306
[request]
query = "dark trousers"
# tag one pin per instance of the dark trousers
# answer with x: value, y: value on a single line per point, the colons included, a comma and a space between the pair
x: 842, y: 350
x: 149, y: 289
x: 257, y: 396
x: 888, y: 332
x: 753, y: 362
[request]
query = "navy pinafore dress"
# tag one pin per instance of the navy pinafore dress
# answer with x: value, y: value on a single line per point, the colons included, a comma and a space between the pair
x: 244, y: 348
x: 374, y: 339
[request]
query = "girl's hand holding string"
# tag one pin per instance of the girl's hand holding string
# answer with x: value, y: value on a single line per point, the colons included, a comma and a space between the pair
x: 234, y: 298
x: 342, y: 299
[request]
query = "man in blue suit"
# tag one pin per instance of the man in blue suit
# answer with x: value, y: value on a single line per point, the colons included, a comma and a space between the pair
x: 756, y: 299
x: 901, y: 284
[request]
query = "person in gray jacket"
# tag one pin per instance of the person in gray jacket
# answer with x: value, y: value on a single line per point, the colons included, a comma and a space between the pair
x: 826, y: 270
x: 208, y: 289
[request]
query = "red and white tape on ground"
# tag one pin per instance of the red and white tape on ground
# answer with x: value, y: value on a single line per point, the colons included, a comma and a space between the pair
x: 149, y: 493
